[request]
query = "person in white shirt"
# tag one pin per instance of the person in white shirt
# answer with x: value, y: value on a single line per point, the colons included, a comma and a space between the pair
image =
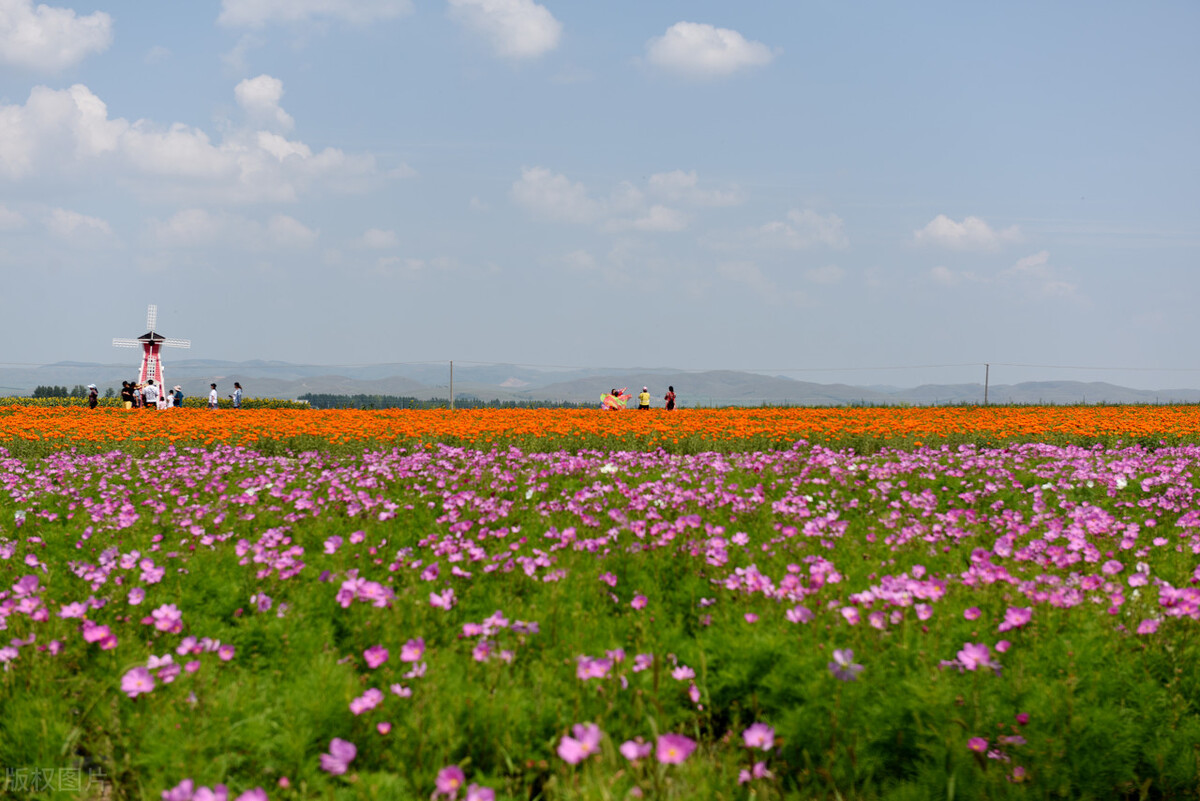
x: 237, y: 395
x: 212, y: 396
x: 151, y: 394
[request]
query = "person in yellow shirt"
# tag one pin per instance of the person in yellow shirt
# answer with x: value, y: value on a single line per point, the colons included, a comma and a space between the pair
x: 644, y: 398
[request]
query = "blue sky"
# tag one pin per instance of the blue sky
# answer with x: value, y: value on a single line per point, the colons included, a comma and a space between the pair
x: 780, y: 186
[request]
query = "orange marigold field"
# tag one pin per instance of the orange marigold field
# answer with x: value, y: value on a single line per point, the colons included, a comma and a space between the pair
x: 924, y: 425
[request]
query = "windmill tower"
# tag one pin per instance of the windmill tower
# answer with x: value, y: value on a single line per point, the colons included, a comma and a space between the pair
x: 152, y: 344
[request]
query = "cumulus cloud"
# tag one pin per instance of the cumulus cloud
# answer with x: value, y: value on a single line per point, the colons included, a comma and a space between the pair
x: 803, y: 228
x: 378, y: 239
x: 516, y: 29
x: 655, y: 218
x: 257, y: 13
x: 699, y: 50
x: 1038, y: 276
x: 829, y: 274
x: 970, y: 234
x: 551, y: 195
x: 78, y: 228
x: 69, y: 130
x: 199, y: 228
x: 749, y: 274
x: 260, y: 97
x: 48, y: 38
x: 683, y: 187
x: 11, y: 220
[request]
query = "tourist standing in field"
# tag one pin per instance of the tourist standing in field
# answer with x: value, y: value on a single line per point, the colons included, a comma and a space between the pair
x: 237, y: 395
x: 644, y: 398
x: 127, y: 394
x: 151, y: 395
x: 93, y: 396
x: 670, y: 399
x: 212, y: 396
x: 177, y: 396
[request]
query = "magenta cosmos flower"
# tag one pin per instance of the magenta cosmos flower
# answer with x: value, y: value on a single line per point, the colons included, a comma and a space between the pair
x: 843, y: 666
x: 478, y: 792
x: 1015, y: 617
x: 449, y: 780
x: 633, y: 750
x: 759, y: 735
x: 341, y: 754
x: 586, y: 742
x: 974, y: 656
x: 977, y: 744
x: 673, y: 749
x: 412, y: 650
x: 137, y: 681
x: 376, y: 655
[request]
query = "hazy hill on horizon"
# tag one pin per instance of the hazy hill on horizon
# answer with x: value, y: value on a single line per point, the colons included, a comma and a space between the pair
x: 273, y: 379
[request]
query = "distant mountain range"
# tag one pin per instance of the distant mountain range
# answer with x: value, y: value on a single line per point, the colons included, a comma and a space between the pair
x: 509, y: 382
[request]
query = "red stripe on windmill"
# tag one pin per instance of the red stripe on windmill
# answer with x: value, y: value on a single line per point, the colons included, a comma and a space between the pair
x: 151, y: 344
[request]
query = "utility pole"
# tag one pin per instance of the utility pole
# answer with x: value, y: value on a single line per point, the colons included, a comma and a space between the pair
x: 452, y: 385
x: 987, y: 369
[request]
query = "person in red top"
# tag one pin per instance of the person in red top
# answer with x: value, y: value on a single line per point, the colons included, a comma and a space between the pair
x: 670, y: 399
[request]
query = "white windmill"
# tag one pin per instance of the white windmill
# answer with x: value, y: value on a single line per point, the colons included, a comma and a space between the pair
x: 151, y: 343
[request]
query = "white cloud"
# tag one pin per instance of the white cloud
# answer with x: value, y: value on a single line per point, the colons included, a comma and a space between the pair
x: 552, y: 196
x: 47, y: 38
x: 378, y: 239
x: 157, y: 54
x: 516, y: 29
x: 748, y: 274
x: 257, y: 13
x: 802, y: 229
x: 947, y: 277
x: 683, y: 187
x: 69, y: 131
x: 970, y: 234
x: 79, y: 228
x: 655, y: 219
x: 198, y: 228
x: 1038, y: 276
x: 580, y: 260
x: 704, y: 51
x: 260, y: 97
x: 11, y: 220
x: 829, y: 274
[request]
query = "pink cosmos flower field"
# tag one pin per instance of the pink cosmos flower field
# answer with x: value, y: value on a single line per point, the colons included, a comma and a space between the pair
x: 454, y: 623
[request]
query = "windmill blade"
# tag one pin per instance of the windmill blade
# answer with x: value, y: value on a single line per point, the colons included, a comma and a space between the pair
x: 151, y: 317
x: 121, y: 342
x: 177, y: 343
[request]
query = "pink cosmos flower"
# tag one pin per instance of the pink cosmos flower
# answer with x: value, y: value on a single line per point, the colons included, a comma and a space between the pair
x: 137, y: 681
x: 977, y: 744
x: 383, y: 727
x: 642, y: 662
x: 226, y: 652
x: 633, y: 750
x: 972, y: 613
x: 843, y: 666
x: 759, y: 735
x: 638, y: 602
x: 609, y: 579
x: 1003, y: 646
x: 799, y: 614
x: 1015, y: 617
x: 413, y: 650
x: 257, y: 794
x: 367, y: 701
x: 136, y: 596
x: 376, y: 655
x: 479, y: 793
x: 401, y: 690
x: 673, y: 749
x: 751, y: 617
x: 683, y: 673
x: 1147, y: 627
x: 1022, y: 718
x: 974, y: 656
x: 341, y: 754
x: 167, y: 618
x: 586, y: 742
x: 444, y: 600
x: 851, y: 615
x: 694, y: 693
x: 449, y: 779
x: 924, y: 611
